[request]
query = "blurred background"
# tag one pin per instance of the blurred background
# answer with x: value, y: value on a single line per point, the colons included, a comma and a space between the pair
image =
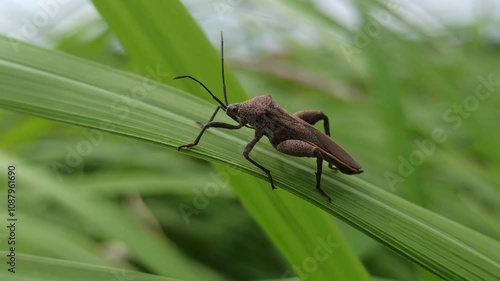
x: 412, y: 90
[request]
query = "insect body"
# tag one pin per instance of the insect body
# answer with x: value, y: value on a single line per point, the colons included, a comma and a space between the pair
x: 292, y: 134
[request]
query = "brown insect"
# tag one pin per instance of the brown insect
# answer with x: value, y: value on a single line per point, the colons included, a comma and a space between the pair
x: 292, y: 134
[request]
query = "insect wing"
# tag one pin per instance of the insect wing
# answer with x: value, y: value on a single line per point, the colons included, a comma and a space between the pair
x: 343, y: 161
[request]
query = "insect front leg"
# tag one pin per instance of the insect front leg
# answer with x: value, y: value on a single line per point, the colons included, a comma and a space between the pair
x: 246, y: 153
x: 312, y: 117
x: 210, y: 125
x: 300, y: 148
x: 214, y: 114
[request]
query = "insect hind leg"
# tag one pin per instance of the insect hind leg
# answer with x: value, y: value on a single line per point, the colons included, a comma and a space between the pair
x: 312, y: 117
x: 300, y: 148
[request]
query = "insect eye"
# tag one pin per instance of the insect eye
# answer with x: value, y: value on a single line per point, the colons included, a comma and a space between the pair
x: 232, y: 108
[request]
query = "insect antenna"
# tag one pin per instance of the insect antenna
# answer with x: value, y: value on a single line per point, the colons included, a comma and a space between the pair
x: 222, y: 64
x: 224, y: 106
x: 205, y: 87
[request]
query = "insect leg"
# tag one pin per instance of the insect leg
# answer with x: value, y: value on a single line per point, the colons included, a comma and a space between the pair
x: 300, y: 148
x: 209, y: 125
x: 319, y: 169
x: 312, y: 117
x: 214, y: 114
x: 246, y: 152
x: 212, y: 117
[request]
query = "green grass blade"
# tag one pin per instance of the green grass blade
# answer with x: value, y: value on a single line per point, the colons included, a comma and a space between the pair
x: 60, y: 87
x: 45, y: 269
